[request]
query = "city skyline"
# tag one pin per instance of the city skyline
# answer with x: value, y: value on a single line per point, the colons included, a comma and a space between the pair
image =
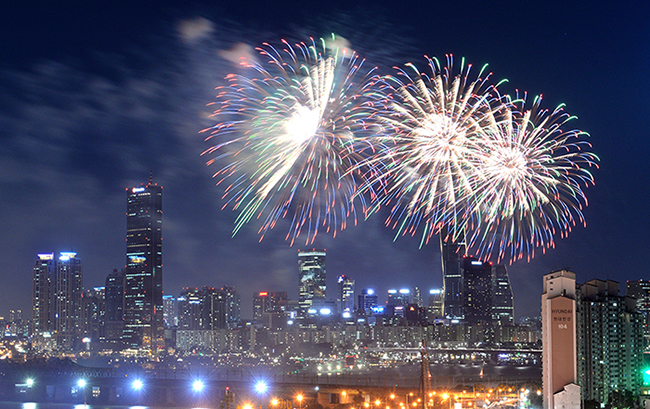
x: 85, y: 119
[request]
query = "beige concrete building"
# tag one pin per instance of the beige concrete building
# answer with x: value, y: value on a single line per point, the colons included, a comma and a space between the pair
x: 559, y: 335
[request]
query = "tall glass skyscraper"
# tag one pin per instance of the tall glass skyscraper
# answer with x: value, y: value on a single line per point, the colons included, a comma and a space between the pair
x: 56, y: 302
x: 114, y: 295
x: 452, y: 253
x: 143, y: 305
x: 503, y: 311
x: 312, y: 278
x: 477, y: 291
x: 345, y: 296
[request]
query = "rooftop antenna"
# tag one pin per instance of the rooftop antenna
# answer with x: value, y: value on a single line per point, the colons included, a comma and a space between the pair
x: 151, y: 177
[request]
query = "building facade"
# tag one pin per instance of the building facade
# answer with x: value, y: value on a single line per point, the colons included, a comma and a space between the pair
x: 503, y: 310
x: 345, y: 294
x: 114, y: 300
x: 611, y: 341
x: 368, y: 300
x: 477, y: 291
x: 559, y: 340
x: 43, y: 294
x: 312, y: 283
x: 640, y: 291
x: 57, y: 300
x: 265, y: 302
x: 94, y: 314
x: 452, y: 253
x: 143, y: 307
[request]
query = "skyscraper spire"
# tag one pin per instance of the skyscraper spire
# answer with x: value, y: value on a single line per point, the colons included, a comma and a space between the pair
x: 150, y: 177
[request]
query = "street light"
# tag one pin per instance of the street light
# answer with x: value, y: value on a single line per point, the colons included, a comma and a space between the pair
x: 261, y: 387
x: 81, y: 383
x: 299, y: 398
x: 137, y: 384
x: 197, y: 386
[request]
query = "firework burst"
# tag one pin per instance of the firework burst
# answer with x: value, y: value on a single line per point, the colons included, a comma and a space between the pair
x: 427, y: 162
x: 288, y: 132
x: 531, y: 182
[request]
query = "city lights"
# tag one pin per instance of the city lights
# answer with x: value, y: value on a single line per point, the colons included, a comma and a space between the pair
x: 197, y: 386
x: 261, y: 387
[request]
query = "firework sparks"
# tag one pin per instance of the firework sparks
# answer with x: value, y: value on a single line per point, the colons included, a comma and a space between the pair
x: 532, y: 180
x: 288, y: 134
x: 427, y: 165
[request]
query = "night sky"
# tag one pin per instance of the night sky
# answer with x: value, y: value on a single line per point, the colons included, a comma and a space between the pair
x: 94, y: 95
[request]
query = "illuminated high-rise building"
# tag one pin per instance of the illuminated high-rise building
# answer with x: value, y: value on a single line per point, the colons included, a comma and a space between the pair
x: 265, y: 302
x: 57, y: 299
x: 345, y: 294
x: 452, y: 253
x: 503, y: 311
x: 477, y: 291
x: 640, y: 292
x: 260, y: 304
x: 367, y: 300
x: 436, y: 302
x: 68, y: 292
x: 143, y: 306
x: 190, y: 309
x: 114, y: 317
x: 312, y: 284
x: 232, y: 302
x: 94, y: 310
x: 400, y: 297
x: 43, y: 294
x: 610, y: 352
x: 170, y: 311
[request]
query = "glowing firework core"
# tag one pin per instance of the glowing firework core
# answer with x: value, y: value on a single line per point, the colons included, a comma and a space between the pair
x: 302, y: 125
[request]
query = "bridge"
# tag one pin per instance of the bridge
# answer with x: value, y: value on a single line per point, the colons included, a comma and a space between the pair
x: 66, y: 381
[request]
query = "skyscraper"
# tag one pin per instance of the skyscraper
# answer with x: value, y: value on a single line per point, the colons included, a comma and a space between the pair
x: 477, y: 291
x: 114, y: 318
x: 94, y: 310
x: 502, y: 300
x: 640, y: 291
x: 452, y: 253
x: 345, y: 295
x: 312, y: 284
x: 43, y: 294
x: 232, y: 301
x: 401, y: 297
x: 367, y: 300
x: 436, y: 302
x: 190, y: 309
x: 143, y: 307
x: 170, y: 311
x: 57, y: 299
x: 265, y: 302
x: 260, y: 304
